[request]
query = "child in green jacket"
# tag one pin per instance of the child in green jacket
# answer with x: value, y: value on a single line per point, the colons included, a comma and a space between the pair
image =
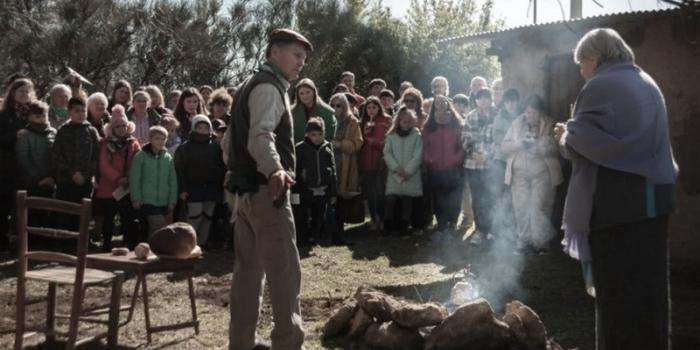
x: 153, y: 183
x: 33, y: 151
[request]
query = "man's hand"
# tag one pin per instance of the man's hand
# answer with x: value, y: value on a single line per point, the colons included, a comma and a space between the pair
x: 137, y: 205
x: 278, y: 184
x: 78, y: 178
x: 123, y: 182
x: 401, y: 172
x: 559, y: 130
x: 171, y: 207
x: 47, y: 182
x: 183, y: 196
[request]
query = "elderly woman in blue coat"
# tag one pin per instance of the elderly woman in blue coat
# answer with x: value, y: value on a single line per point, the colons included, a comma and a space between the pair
x: 620, y: 193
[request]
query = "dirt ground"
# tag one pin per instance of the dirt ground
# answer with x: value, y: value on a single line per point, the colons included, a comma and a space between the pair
x: 413, y: 268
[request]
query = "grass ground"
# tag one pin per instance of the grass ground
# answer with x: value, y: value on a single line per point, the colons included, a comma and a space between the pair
x: 414, y: 268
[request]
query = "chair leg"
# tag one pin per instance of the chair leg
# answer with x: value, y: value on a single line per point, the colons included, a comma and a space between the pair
x: 146, y: 308
x: 51, y: 315
x: 76, y: 309
x: 114, y: 309
x: 193, y: 305
x: 19, y: 306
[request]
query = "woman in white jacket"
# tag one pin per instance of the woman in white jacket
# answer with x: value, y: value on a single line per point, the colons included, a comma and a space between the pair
x: 533, y: 172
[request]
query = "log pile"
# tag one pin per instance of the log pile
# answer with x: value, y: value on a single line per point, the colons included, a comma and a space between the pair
x: 384, y: 322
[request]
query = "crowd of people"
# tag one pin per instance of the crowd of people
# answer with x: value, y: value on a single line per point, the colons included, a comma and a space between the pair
x: 201, y: 154
x: 151, y: 160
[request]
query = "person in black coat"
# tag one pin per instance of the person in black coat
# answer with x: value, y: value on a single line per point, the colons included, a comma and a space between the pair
x: 316, y: 182
x: 20, y: 94
x: 200, y: 175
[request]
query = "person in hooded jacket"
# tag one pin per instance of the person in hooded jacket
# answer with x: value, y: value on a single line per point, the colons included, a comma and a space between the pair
x: 403, y: 153
x: 117, y: 151
x: 316, y: 184
x: 75, y: 154
x: 200, y: 172
x: 152, y: 184
x: 33, y: 152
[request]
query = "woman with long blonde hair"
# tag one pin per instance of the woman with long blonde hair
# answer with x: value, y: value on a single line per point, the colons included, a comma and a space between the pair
x: 346, y: 145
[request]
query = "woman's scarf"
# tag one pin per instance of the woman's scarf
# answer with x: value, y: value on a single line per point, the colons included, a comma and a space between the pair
x: 116, y: 144
x: 610, y: 130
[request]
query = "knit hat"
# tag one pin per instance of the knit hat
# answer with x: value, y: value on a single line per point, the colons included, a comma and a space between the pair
x: 200, y: 118
x: 119, y: 118
x: 177, y: 240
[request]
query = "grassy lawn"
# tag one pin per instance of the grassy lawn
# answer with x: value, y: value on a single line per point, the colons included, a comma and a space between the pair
x: 413, y: 268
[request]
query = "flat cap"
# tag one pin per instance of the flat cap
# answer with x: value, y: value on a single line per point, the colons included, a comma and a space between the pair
x: 283, y: 35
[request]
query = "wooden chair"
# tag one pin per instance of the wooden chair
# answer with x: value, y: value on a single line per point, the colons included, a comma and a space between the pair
x: 69, y: 270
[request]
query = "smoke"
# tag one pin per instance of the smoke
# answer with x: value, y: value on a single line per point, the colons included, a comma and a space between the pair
x: 496, y: 264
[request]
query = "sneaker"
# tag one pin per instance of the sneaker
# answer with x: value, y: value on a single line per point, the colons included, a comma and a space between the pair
x: 490, y: 237
x: 466, y: 223
x: 261, y: 346
x: 476, y: 239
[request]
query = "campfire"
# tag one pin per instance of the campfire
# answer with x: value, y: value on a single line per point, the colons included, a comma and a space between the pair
x: 385, y: 322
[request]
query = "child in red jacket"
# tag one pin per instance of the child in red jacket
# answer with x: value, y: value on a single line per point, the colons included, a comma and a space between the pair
x: 117, y: 150
x: 374, y: 125
x: 443, y: 156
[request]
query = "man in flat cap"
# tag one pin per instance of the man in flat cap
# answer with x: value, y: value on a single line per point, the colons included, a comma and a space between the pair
x: 262, y: 163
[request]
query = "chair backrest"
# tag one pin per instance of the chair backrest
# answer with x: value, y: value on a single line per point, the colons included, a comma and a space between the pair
x: 83, y: 210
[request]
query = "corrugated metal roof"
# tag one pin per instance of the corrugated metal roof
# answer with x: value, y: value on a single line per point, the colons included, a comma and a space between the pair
x: 608, y: 17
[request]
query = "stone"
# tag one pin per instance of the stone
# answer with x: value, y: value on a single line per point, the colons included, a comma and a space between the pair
x: 412, y: 315
x: 391, y: 336
x: 535, y: 334
x: 340, y: 320
x: 359, y: 323
x: 375, y: 303
x: 471, y: 326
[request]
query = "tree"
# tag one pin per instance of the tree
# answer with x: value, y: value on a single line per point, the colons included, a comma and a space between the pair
x: 431, y: 20
x: 179, y: 43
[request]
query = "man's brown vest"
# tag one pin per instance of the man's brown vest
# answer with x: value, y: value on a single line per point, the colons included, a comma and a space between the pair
x: 245, y: 177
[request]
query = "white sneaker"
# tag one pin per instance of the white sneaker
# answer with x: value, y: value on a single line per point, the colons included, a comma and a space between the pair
x: 476, y: 239
x: 490, y: 237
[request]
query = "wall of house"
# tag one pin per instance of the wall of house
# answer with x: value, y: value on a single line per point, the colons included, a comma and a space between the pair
x: 662, y: 51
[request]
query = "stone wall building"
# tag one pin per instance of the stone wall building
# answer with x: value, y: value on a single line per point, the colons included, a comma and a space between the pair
x: 538, y: 59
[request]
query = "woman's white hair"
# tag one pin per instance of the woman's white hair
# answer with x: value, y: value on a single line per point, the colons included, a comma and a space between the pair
x: 442, y: 79
x: 606, y: 45
x: 97, y: 96
x: 60, y: 87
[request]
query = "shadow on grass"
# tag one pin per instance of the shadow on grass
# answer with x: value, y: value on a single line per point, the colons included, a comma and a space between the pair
x: 96, y: 345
